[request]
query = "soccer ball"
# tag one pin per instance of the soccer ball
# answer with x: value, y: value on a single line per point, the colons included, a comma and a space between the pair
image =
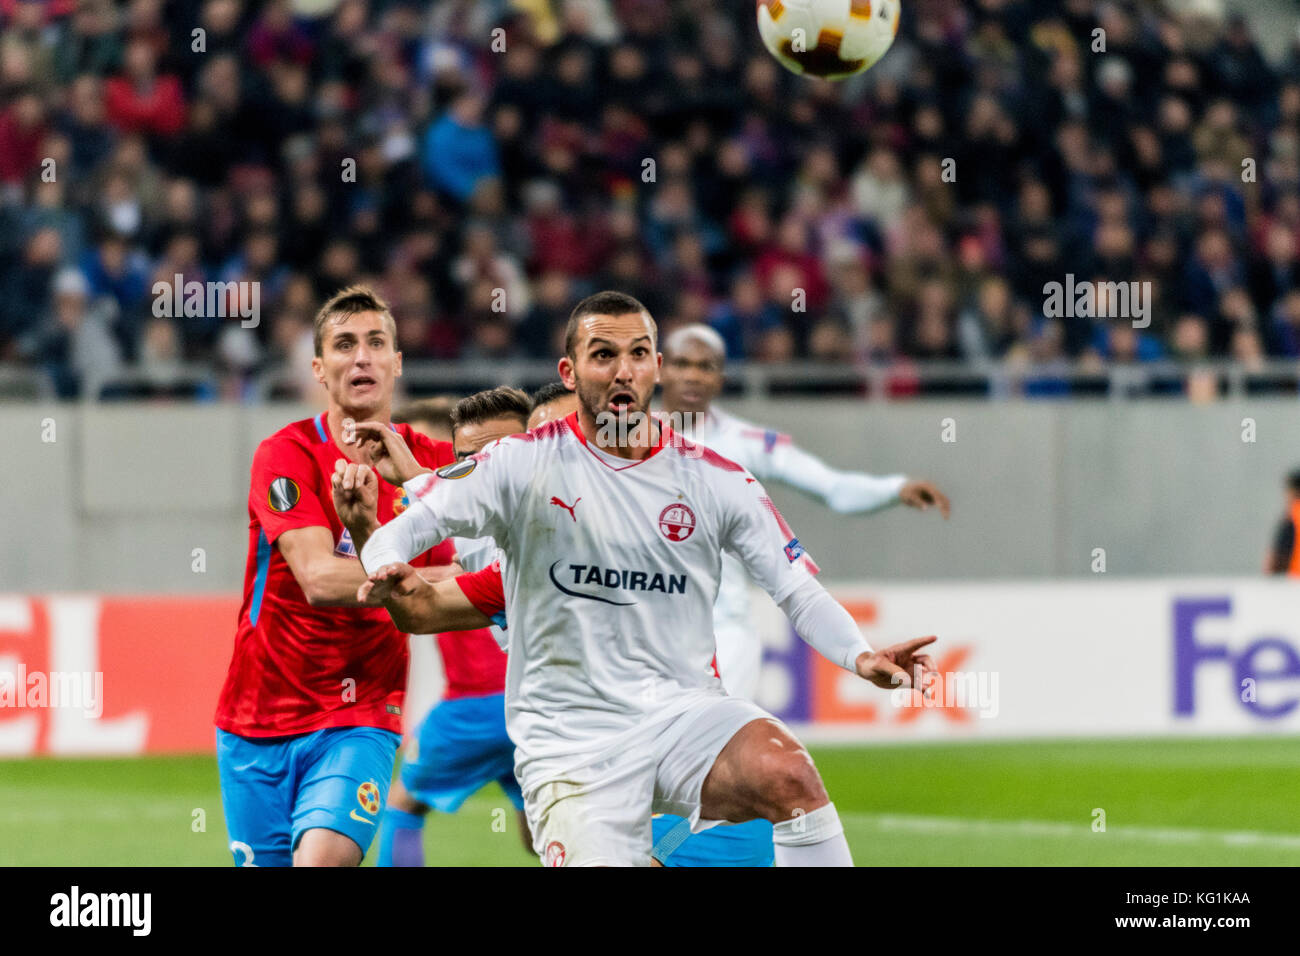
x: 831, y: 39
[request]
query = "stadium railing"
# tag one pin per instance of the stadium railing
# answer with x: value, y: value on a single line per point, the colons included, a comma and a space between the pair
x: 902, y: 380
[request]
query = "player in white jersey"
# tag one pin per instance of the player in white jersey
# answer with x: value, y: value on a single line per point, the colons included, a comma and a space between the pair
x: 613, y: 528
x: 692, y: 380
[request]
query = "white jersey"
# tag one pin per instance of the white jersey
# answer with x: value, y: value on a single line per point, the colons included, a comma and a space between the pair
x: 475, y: 554
x: 612, y: 567
x: 772, y: 456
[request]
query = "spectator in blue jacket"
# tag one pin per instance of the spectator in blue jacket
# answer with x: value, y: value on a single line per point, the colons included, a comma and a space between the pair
x: 459, y: 150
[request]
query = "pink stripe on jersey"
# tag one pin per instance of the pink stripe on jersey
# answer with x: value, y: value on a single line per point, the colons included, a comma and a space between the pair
x: 788, y: 532
x: 780, y: 521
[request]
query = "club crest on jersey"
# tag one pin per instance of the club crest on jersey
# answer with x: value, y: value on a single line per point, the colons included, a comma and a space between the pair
x: 368, y: 797
x: 457, y: 469
x: 794, y: 550
x: 554, y: 855
x: 345, y: 548
x: 283, y: 494
x: 677, y: 522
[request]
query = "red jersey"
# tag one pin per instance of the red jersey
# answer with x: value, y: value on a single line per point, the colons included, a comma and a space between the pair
x: 473, y: 662
x: 298, y: 668
x: 485, y: 591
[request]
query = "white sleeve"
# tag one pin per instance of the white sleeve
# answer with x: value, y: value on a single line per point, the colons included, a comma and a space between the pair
x: 821, y: 621
x: 472, y: 498
x: 754, y: 531
x: 847, y: 492
x: 475, y: 554
x: 758, y: 535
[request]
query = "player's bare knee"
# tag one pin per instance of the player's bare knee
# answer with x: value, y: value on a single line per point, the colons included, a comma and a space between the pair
x: 326, y: 848
x: 792, y: 785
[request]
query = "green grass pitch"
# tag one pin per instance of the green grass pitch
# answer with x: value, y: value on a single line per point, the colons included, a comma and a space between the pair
x: 1166, y: 802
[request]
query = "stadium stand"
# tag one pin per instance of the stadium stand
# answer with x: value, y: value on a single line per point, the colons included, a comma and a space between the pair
x: 485, y: 163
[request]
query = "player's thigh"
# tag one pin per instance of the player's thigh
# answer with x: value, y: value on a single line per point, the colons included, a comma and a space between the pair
x: 763, y: 771
x: 343, y: 782
x: 690, y: 753
x: 257, y: 797
x: 594, y: 816
x: 459, y: 747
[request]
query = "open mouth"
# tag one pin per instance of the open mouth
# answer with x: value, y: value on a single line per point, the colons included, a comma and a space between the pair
x: 362, y: 381
x: 621, y: 401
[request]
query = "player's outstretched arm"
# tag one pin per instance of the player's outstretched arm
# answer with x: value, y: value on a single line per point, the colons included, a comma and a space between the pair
x: 326, y: 579
x: 831, y: 631
x: 472, y: 499
x: 851, y: 492
x: 755, y: 532
x: 418, y: 606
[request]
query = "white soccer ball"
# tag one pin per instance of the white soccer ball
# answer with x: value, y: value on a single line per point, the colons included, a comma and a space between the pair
x: 831, y: 39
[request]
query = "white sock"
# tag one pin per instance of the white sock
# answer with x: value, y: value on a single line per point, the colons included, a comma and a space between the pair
x: 812, y: 839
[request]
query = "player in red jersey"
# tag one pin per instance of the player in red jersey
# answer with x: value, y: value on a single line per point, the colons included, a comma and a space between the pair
x: 461, y: 745
x: 310, y: 716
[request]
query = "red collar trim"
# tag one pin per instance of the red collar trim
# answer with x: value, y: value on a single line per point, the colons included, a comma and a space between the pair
x: 665, y: 435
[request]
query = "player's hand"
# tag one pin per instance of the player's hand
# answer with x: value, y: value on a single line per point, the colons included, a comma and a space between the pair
x: 386, y: 452
x: 356, y: 495
x: 392, y: 580
x: 441, y: 572
x: 923, y: 494
x: 898, y: 665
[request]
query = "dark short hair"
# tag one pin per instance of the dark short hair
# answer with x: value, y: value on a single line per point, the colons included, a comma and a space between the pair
x: 1293, y: 481
x: 347, y: 302
x: 608, y: 302
x: 549, y: 393
x: 435, y: 411
x: 504, y: 401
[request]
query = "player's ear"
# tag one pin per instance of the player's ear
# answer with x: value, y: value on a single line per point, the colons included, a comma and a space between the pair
x: 318, y: 369
x: 565, y: 368
x: 397, y: 367
x: 659, y: 366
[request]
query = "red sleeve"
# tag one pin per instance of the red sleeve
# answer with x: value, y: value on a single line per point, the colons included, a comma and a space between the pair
x: 484, y: 590
x: 285, y: 490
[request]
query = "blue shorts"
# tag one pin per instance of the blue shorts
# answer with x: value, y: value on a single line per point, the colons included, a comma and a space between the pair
x: 460, y: 747
x: 276, y: 788
x: 739, y: 844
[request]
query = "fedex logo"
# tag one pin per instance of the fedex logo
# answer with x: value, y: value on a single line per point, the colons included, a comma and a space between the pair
x: 1269, y: 661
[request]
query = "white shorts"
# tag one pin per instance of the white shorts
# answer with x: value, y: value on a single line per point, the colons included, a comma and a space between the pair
x: 599, y: 813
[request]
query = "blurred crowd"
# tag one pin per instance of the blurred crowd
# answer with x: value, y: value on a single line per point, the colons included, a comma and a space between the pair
x: 485, y: 163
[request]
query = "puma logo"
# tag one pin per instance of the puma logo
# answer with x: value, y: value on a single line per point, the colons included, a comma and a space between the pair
x: 568, y: 508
